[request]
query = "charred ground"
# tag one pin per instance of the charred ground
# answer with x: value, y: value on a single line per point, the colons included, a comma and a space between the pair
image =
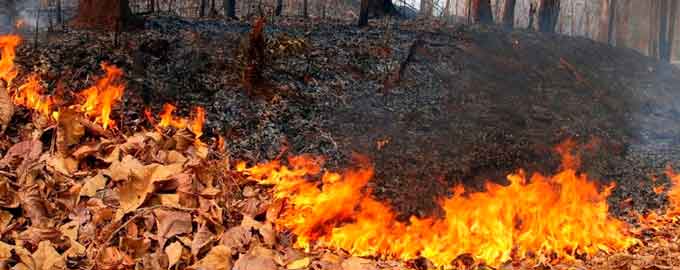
x: 473, y: 103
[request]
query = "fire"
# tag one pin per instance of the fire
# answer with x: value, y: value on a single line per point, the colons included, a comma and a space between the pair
x: 674, y: 192
x: 8, y: 45
x: 99, y: 99
x: 20, y: 23
x: 30, y: 95
x: 557, y: 216
x: 168, y: 119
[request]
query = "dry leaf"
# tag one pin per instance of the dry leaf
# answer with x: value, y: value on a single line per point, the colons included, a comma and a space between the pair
x: 22, y: 155
x: 92, y: 185
x: 174, y: 252
x: 133, y: 193
x: 219, y: 258
x: 63, y: 165
x: 47, y: 258
x: 171, y: 200
x: 237, y: 237
x: 5, y: 251
x: 171, y: 223
x: 121, y: 170
x: 299, y: 264
x: 257, y: 259
x: 356, y: 263
x: 5, y: 218
x: 69, y: 130
x: 202, y: 238
x: 6, y: 109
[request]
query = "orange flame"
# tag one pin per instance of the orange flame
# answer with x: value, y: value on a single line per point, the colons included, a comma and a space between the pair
x: 674, y: 192
x: 30, y: 95
x: 8, y: 45
x: 168, y: 119
x: 564, y: 214
x: 99, y: 99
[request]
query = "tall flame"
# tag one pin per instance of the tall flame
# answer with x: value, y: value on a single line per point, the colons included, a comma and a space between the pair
x: 564, y: 215
x: 8, y: 45
x: 30, y: 95
x: 99, y: 99
x: 674, y: 192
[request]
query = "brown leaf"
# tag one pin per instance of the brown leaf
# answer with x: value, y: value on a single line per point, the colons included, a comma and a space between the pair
x: 171, y: 223
x: 257, y: 259
x: 174, y: 253
x: 237, y: 237
x: 121, y: 170
x: 63, y: 165
x: 47, y: 258
x: 92, y: 185
x: 299, y: 264
x: 5, y: 251
x: 22, y: 154
x: 133, y: 193
x: 69, y: 130
x: 112, y: 258
x: 202, y: 238
x: 5, y: 219
x: 6, y: 108
x: 219, y: 258
x: 356, y: 263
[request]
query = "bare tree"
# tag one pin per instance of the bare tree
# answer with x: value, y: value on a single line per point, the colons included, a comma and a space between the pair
x: 664, y: 26
x: 279, y: 7
x: 202, y: 7
x: 104, y: 14
x: 509, y: 14
x: 671, y: 29
x: 363, y: 13
x: 152, y: 6
x: 481, y: 11
x: 426, y: 8
x: 548, y: 14
x: 229, y: 8
x: 304, y: 9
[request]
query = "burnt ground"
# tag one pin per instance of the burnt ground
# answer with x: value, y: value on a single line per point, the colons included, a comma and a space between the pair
x: 474, y: 103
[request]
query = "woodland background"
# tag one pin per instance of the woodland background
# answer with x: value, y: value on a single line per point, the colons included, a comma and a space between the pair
x: 632, y: 23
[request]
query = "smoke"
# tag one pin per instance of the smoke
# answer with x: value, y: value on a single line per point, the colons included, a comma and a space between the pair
x: 23, y: 15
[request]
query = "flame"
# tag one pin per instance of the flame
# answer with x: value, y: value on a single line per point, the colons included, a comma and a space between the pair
x: 197, y: 122
x: 8, y: 45
x: 20, y: 23
x: 99, y: 99
x: 168, y: 119
x: 674, y: 192
x: 562, y: 215
x: 30, y: 95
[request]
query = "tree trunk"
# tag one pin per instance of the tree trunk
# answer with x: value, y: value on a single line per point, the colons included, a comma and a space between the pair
x: 363, y: 13
x: 481, y: 11
x: 60, y: 16
x: 152, y: 6
x: 229, y: 8
x: 671, y: 29
x: 548, y: 14
x: 509, y: 14
x: 664, y: 53
x: 279, y: 7
x: 104, y: 15
x: 532, y: 15
x: 426, y: 8
x: 304, y: 9
x: 202, y: 7
x: 612, y: 22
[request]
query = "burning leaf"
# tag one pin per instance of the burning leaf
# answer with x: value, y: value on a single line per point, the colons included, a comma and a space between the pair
x: 174, y: 253
x: 100, y: 98
x: 47, y: 258
x: 6, y: 108
x: 8, y: 45
x: 92, y: 185
x: 171, y: 223
x: 219, y: 258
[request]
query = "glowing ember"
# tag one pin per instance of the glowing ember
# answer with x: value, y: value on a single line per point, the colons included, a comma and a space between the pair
x: 558, y: 216
x: 8, y: 46
x: 30, y: 95
x: 99, y: 99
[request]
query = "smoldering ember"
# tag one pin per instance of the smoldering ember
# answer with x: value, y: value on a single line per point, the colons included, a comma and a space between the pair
x: 339, y: 135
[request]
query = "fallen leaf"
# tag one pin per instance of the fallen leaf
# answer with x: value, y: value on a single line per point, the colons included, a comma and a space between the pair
x: 5, y: 251
x: 47, y: 258
x: 174, y: 252
x: 63, y: 165
x: 5, y: 218
x: 202, y: 238
x: 175, y: 157
x: 356, y: 263
x: 69, y: 129
x: 219, y: 258
x: 171, y: 223
x: 121, y: 170
x: 299, y: 264
x: 133, y: 193
x: 22, y: 154
x: 92, y: 185
x: 171, y: 200
x: 257, y: 259
x: 237, y: 237
x: 6, y: 108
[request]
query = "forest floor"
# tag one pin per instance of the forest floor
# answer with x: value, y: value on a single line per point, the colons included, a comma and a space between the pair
x: 473, y: 102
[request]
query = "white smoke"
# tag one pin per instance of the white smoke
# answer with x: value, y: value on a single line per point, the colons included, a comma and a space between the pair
x: 27, y: 14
